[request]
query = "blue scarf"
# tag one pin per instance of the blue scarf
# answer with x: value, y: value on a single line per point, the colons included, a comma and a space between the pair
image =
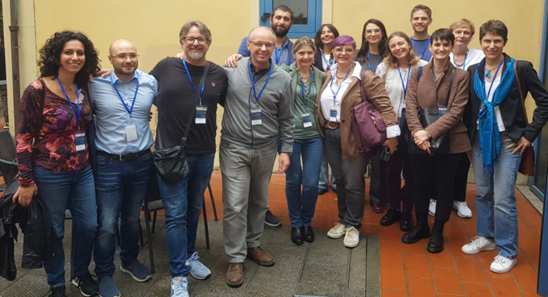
x: 489, y: 134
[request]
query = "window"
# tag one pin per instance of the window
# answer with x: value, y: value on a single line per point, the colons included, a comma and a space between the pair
x: 307, y: 15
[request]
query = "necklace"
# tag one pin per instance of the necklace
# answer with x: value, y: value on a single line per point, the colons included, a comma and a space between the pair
x: 342, y: 77
x: 488, y: 74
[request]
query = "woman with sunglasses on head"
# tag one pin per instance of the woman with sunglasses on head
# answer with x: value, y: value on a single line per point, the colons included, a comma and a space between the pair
x: 443, y: 86
x: 395, y: 72
x: 58, y: 170
x: 499, y: 132
x: 370, y: 56
x: 340, y: 92
x: 462, y: 57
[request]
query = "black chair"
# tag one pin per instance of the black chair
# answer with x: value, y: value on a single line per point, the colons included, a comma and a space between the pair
x: 8, y: 163
x: 153, y: 203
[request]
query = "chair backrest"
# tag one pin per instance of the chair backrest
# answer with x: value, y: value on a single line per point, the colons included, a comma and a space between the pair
x: 8, y: 163
x: 153, y: 200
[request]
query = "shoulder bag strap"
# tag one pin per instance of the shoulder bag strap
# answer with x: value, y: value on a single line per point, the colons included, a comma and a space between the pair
x: 40, y: 118
x: 362, y: 89
x: 521, y: 93
x: 190, y: 118
x: 450, y: 86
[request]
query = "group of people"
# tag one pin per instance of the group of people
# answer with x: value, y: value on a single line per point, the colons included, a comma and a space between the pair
x: 285, y: 99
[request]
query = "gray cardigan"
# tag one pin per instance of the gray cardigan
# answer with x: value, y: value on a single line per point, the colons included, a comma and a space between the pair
x: 276, y: 104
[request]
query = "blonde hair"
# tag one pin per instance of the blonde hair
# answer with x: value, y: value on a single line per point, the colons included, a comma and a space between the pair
x: 463, y: 23
x: 390, y: 61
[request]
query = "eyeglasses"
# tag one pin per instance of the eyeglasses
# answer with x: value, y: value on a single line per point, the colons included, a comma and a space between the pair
x: 340, y: 50
x: 123, y: 57
x: 267, y: 45
x: 373, y: 30
x: 190, y: 40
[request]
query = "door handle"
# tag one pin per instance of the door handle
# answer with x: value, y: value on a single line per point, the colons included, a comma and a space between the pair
x: 265, y: 16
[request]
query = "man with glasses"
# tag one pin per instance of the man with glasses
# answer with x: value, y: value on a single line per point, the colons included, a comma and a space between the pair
x: 258, y: 108
x: 121, y: 103
x: 281, y: 21
x: 189, y: 91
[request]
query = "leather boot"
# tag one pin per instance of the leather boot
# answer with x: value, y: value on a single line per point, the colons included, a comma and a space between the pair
x: 297, y: 235
x: 435, y: 245
x: 406, y: 221
x: 420, y: 231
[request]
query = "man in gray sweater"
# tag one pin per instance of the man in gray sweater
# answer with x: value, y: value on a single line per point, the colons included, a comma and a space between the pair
x: 258, y: 108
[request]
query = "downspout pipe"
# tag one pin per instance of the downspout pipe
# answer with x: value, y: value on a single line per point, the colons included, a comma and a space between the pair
x: 16, y: 78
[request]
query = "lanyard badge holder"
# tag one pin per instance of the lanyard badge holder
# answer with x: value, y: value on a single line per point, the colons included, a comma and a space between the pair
x: 201, y: 110
x: 307, y: 121
x: 256, y: 116
x: 333, y: 111
x: 79, y: 136
x: 131, y: 129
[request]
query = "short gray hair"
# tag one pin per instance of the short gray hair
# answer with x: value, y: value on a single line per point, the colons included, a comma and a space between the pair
x: 266, y: 28
x: 201, y: 26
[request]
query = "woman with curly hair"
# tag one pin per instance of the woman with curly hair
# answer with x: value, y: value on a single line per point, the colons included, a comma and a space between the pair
x: 57, y: 168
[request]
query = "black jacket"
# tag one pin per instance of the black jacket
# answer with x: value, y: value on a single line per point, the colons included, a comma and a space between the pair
x: 318, y: 60
x: 35, y: 223
x: 511, y: 109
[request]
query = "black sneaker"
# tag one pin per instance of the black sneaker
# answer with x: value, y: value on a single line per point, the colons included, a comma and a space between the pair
x: 271, y: 220
x: 87, y: 285
x: 57, y: 292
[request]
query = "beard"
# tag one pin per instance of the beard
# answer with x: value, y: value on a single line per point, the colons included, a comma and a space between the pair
x: 280, y: 34
x: 195, y: 56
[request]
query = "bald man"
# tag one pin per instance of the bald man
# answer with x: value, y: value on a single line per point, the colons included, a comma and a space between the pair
x: 121, y: 103
x: 258, y: 108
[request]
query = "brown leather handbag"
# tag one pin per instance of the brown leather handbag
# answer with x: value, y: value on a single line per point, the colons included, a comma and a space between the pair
x: 527, y: 165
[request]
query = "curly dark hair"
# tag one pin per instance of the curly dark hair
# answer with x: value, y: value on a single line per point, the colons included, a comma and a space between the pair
x: 50, y: 57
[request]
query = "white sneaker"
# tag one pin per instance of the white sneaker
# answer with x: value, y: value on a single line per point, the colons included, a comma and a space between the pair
x: 462, y: 209
x: 352, y: 237
x: 337, y: 232
x: 478, y: 244
x: 432, y: 207
x: 502, y: 264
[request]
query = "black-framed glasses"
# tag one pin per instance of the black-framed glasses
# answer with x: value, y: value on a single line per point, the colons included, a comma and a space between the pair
x: 190, y: 40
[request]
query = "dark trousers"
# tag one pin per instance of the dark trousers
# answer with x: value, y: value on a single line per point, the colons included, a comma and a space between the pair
x: 377, y: 186
x: 440, y: 170
x: 461, y: 178
x: 400, y: 160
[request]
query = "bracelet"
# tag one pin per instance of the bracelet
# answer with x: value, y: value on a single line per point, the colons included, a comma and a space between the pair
x: 429, y: 136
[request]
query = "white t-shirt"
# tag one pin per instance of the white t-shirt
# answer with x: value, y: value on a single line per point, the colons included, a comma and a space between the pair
x: 473, y: 56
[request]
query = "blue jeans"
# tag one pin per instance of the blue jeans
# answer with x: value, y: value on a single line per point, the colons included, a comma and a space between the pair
x: 121, y: 187
x: 76, y: 190
x: 323, y: 182
x: 495, y: 200
x: 182, y: 202
x: 301, y: 206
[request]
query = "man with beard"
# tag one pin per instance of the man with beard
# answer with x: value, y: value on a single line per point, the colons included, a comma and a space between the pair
x: 258, y: 108
x: 280, y: 22
x: 184, y: 99
x: 421, y: 18
x: 121, y: 103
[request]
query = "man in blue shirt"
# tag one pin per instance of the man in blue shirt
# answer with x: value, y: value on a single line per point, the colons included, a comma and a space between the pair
x: 421, y: 18
x: 121, y: 103
x: 280, y: 22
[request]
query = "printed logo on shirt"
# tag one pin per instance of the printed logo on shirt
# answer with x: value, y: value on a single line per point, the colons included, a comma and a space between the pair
x: 213, y: 84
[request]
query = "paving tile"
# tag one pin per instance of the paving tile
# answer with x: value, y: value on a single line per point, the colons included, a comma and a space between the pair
x: 533, y: 259
x: 387, y: 292
x: 266, y: 287
x: 393, y: 276
x: 529, y: 292
x: 336, y: 286
x: 289, y: 263
x: 524, y: 274
x: 420, y: 287
x: 329, y: 251
x: 442, y: 260
x: 373, y: 282
x: 416, y: 266
x: 503, y: 284
x: 477, y: 289
x: 418, y: 248
x: 470, y: 270
x: 358, y: 260
x: 391, y: 253
x: 447, y: 281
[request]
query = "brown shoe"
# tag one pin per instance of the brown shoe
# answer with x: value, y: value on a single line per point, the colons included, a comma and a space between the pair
x: 260, y: 256
x: 235, y: 274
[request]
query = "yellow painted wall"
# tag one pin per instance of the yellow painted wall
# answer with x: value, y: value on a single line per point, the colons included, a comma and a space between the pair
x: 154, y: 25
